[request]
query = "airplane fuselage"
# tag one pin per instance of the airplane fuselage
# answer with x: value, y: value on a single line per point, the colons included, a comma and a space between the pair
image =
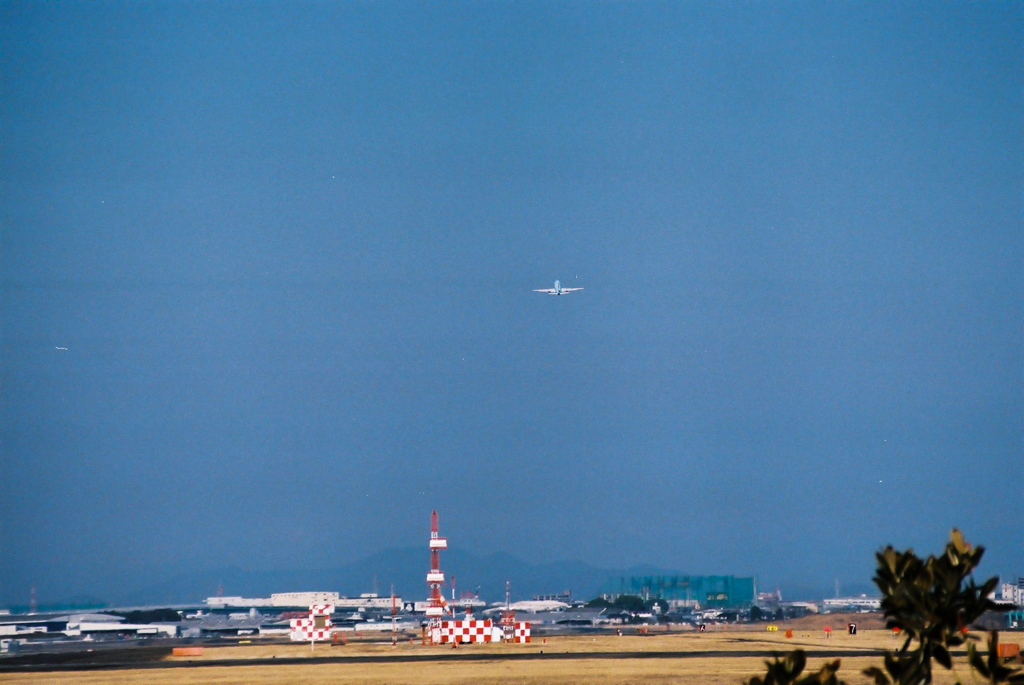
x: 557, y: 290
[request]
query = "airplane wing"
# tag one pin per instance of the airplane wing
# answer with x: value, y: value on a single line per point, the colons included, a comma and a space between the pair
x: 569, y: 290
x: 550, y: 291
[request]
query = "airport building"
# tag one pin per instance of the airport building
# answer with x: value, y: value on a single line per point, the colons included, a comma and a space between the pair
x: 303, y: 599
x: 91, y: 626
x: 238, y: 602
x: 290, y: 600
x: 1013, y: 593
x: 690, y: 591
x: 861, y: 603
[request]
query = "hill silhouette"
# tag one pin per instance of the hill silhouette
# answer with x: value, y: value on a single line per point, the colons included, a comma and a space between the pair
x: 405, y: 568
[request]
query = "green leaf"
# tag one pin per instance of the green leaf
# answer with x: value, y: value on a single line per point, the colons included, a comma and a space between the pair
x: 957, y: 539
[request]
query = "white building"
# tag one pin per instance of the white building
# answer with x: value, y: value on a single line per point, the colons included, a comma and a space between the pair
x: 534, y: 606
x: 81, y: 625
x: 302, y: 599
x: 223, y: 602
x: 1013, y: 593
x: 862, y: 603
x: 107, y: 627
x: 367, y: 601
x: 809, y: 607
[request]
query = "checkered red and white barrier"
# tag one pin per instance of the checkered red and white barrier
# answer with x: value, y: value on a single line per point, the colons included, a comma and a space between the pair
x: 466, y: 631
x: 522, y: 632
x: 316, y: 627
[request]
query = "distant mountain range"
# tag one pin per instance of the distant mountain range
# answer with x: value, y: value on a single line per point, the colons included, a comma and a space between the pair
x: 405, y: 568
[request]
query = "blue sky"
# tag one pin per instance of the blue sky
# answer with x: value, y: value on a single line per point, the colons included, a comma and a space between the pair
x: 290, y: 249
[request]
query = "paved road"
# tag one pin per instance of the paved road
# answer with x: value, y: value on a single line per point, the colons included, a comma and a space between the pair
x: 113, y: 661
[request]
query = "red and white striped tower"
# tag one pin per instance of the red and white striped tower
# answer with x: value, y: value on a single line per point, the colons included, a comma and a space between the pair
x: 435, y: 578
x: 394, y: 616
x: 508, y: 617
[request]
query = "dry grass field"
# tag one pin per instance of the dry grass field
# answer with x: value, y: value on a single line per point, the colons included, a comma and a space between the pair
x: 676, y: 662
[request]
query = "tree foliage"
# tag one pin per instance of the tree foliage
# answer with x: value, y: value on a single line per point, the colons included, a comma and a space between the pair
x: 786, y: 671
x: 932, y: 602
x: 632, y: 603
x: 993, y: 668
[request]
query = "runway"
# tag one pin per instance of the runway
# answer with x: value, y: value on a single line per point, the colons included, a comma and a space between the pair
x: 156, y: 658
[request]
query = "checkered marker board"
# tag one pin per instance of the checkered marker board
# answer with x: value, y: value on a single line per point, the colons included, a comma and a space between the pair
x: 522, y: 632
x: 316, y: 627
x: 308, y: 635
x: 467, y: 631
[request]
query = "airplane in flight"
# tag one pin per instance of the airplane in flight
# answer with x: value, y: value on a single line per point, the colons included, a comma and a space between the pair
x: 557, y: 290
